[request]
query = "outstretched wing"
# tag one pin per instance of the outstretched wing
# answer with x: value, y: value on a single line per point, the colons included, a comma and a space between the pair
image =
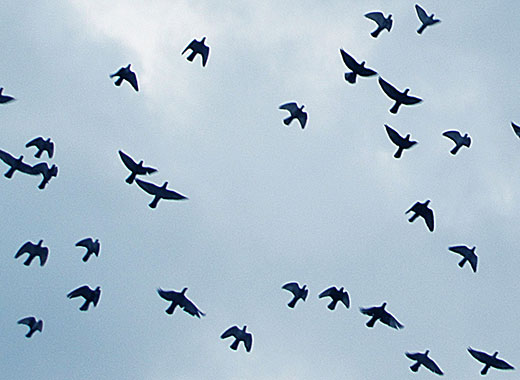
x: 248, y: 341
x: 37, y: 142
x: 192, y: 45
x: 428, y: 217
x: 127, y: 160
x: 473, y: 260
x: 190, y: 308
x: 350, y: 62
x: 83, y: 291
x: 455, y: 136
x: 7, y: 158
x: 204, y: 50
x: 480, y: 356
x: 27, y: 247
x: 291, y: 107
x: 87, y: 243
x: 132, y: 79
x: 232, y: 331
x: 389, y: 90
x: 421, y: 13
x: 29, y: 321
x: 168, y: 295
x: 345, y: 299
x: 43, y: 254
x: 369, y: 310
x: 170, y: 194
x: 432, y: 366
x: 292, y: 287
x: 414, y: 356
x: 502, y: 364
x: 389, y: 319
x: 377, y: 17
x: 394, y: 136
x: 516, y: 129
x: 150, y: 188
x: 460, y: 249
x: 330, y: 292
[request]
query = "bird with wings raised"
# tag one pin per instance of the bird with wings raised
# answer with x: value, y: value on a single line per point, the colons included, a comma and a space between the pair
x: 89, y: 295
x: 180, y: 299
x: 197, y: 47
x: 159, y: 192
x: 296, y: 113
x: 91, y: 246
x: 490, y: 361
x: 47, y: 173
x: 125, y: 73
x: 381, y: 21
x: 357, y: 68
x: 34, y: 250
x: 468, y: 255
x: 135, y: 168
x: 240, y: 336
x: 399, y: 97
x: 298, y: 293
x: 379, y: 313
x: 42, y: 145
x: 33, y: 324
x: 421, y: 358
x: 424, y: 18
x: 15, y: 164
x: 5, y: 98
x: 458, y: 139
x: 422, y: 210
x: 336, y: 295
x: 397, y: 139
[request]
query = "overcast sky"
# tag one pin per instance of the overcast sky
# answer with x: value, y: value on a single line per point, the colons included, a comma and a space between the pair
x: 268, y: 204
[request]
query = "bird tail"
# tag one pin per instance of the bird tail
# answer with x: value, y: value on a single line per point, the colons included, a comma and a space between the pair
x: 29, y: 260
x: 292, y: 303
x: 171, y: 308
x: 455, y: 150
x: 29, y: 334
x: 119, y: 81
x: 332, y: 305
x: 395, y: 108
x: 415, y: 367
x: 10, y: 173
x: 421, y: 29
x: 131, y: 178
x: 485, y: 369
x: 38, y: 153
x: 42, y: 184
x: 376, y: 32
x: 192, y: 56
x: 398, y: 153
x: 86, y: 257
x: 350, y: 77
x: 234, y: 346
x: 288, y: 120
x: 84, y: 307
x: 415, y: 216
x: 371, y: 322
x: 462, y: 262
x: 154, y: 203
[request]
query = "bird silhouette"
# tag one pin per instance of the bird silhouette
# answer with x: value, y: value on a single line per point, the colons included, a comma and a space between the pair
x: 357, y: 68
x: 336, y: 296
x: 34, y: 250
x: 467, y: 255
x: 90, y: 296
x: 516, y: 129
x: 296, y: 113
x: 125, y: 73
x: 159, y: 192
x: 423, y: 359
x: 33, y: 323
x: 397, y: 139
x: 399, y: 97
x: 91, y: 246
x: 42, y: 145
x: 425, y: 19
x: 422, y: 210
x: 135, y: 168
x: 180, y: 299
x: 379, y: 313
x: 299, y: 293
x: 382, y: 22
x: 15, y: 164
x: 490, y: 361
x: 197, y: 47
x: 46, y: 172
x: 240, y: 336
x: 5, y: 98
x: 458, y: 139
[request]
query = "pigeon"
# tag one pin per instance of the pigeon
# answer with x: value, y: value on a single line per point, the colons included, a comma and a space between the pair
x: 42, y: 145
x: 124, y: 73
x: 423, y: 359
x: 379, y: 312
x: 136, y: 169
x: 91, y: 246
x: 422, y: 209
x: 299, y: 293
x: 516, y: 129
x: 179, y: 299
x: 425, y: 19
x: 399, y: 97
x: 296, y: 113
x: 33, y: 250
x: 489, y: 361
x: 467, y: 254
x: 336, y: 296
x: 458, y: 139
x: 357, y: 68
x: 240, y: 336
x: 197, y: 47
x: 5, y: 98
x: 46, y: 172
x: 159, y: 192
x: 88, y: 294
x: 33, y: 323
x: 402, y: 143
x: 15, y: 164
x: 382, y: 22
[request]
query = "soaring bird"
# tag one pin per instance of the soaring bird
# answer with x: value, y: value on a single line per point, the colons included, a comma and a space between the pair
x: 357, y: 68
x: 423, y: 359
x: 159, y: 192
x: 458, y: 139
x: 46, y: 172
x: 336, y: 296
x: 379, y: 313
x: 516, y: 129
x: 299, y: 293
x: 135, y: 168
x: 197, y: 47
x: 296, y: 113
x: 422, y: 210
x: 399, y: 97
x: 91, y: 246
x: 467, y: 255
x: 240, y: 336
x: 382, y: 22
x: 88, y: 294
x: 15, y: 164
x: 179, y: 299
x: 397, y: 139
x: 124, y: 73
x: 425, y: 19
x: 33, y: 323
x: 5, y: 98
x: 489, y: 361
x: 34, y: 250
x: 42, y: 145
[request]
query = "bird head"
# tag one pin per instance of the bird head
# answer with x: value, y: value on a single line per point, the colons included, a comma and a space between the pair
x: 406, y: 91
x: 244, y: 328
x: 40, y: 243
x: 407, y: 137
x: 427, y: 202
x: 341, y: 289
x: 390, y: 17
x: 383, y: 305
x: 495, y: 354
x: 473, y: 249
x: 363, y: 64
x: 203, y: 39
x: 1, y: 89
x: 184, y: 290
x: 426, y: 352
x: 20, y: 158
x: 165, y: 184
x: 128, y: 67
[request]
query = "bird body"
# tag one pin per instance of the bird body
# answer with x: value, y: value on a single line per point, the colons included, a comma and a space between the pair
x: 15, y: 164
x: 399, y: 97
x: 197, y: 47
x: 91, y: 246
x: 490, y: 361
x: 422, y: 210
x: 179, y: 299
x: 125, y: 73
x: 34, y: 250
x: 423, y: 359
x: 379, y: 313
x: 458, y: 139
x: 5, y: 98
x: 240, y: 335
x: 298, y: 293
x: 382, y: 22
x: 357, y: 68
x: 42, y: 146
x: 424, y: 18
x: 33, y: 324
x: 468, y: 255
x: 397, y: 139
x: 90, y: 296
x: 159, y: 192
x: 296, y: 113
x: 135, y: 168
x: 336, y: 296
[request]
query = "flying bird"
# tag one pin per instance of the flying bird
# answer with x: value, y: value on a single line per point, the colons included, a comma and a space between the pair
x: 357, y: 68
x: 90, y: 296
x: 382, y: 22
x: 197, y: 47
x: 180, y: 299
x: 458, y: 139
x: 489, y: 361
x: 298, y: 293
x: 240, y: 336
x: 425, y: 19
x: 467, y: 255
x: 34, y: 250
x: 91, y: 246
x: 15, y: 164
x: 336, y: 296
x: 399, y: 97
x: 135, y: 168
x: 42, y: 145
x: 296, y: 113
x: 423, y: 359
x: 33, y: 323
x: 422, y: 210
x: 379, y: 313
x: 397, y: 139
x: 159, y: 192
x: 46, y: 172
x: 516, y: 129
x: 5, y: 98
x: 124, y: 73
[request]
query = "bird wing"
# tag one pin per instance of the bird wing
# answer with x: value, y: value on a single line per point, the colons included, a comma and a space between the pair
x: 29, y: 321
x: 190, y: 308
x: 192, y: 45
x: 248, y: 341
x: 150, y: 188
x: 350, y: 62
x: 170, y: 194
x: 292, y: 287
x: 87, y: 243
x: 168, y: 295
x: 516, y: 129
x: 501, y: 364
x: 37, y: 142
x: 407, y: 99
x: 27, y: 247
x: 291, y: 107
x: 455, y: 136
x: 50, y: 149
x: 44, y: 254
x: 369, y: 310
x: 127, y: 160
x: 428, y: 217
x: 97, y: 295
x: 432, y: 366
x: 204, y: 50
x: 119, y: 73
x: 132, y: 79
x: 366, y: 72
x: 377, y: 17
x: 394, y: 136
x: 421, y: 13
x: 389, y: 319
x: 302, y: 117
x: 473, y: 260
x: 415, y: 208
x: 345, y: 299
x: 232, y: 331
x: 7, y: 158
x: 414, y: 355
x: 330, y: 292
x: 480, y: 356
x: 149, y: 170
x: 389, y: 90
x: 83, y: 291
x: 460, y: 249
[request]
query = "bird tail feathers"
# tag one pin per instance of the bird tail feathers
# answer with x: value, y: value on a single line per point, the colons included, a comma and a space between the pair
x: 350, y: 77
x: 415, y: 367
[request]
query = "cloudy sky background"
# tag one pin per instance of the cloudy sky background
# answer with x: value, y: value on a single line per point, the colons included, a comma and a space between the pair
x: 268, y: 204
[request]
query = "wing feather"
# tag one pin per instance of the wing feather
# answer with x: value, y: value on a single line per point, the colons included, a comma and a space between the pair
x: 232, y: 331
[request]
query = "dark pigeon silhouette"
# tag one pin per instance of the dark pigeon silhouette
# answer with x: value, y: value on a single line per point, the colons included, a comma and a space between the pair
x: 379, y: 313
x: 399, y: 97
x: 197, y: 47
x: 240, y: 336
x: 34, y: 250
x: 425, y: 19
x: 135, y: 168
x: 467, y: 255
x: 91, y: 246
x: 357, y: 68
x: 490, y: 361
x: 299, y: 293
x: 125, y: 73
x: 422, y: 210
x: 46, y: 172
x: 180, y: 299
x: 397, y: 139
x: 382, y: 22
x: 15, y: 164
x: 423, y: 359
x: 516, y: 129
x: 336, y: 296
x: 159, y: 192
x: 296, y: 113
x: 42, y: 145
x: 90, y: 296
x: 458, y: 139
x: 5, y: 98
x: 33, y: 323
